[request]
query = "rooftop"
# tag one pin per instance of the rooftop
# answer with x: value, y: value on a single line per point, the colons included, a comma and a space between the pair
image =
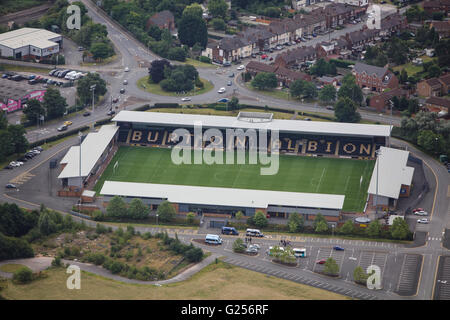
x: 295, y: 126
x: 39, y: 38
x: 393, y: 172
x: 92, y: 148
x: 370, y: 70
x: 222, y: 196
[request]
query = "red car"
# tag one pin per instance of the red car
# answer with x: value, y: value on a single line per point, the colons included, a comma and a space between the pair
x: 418, y: 209
x: 321, y: 261
x: 264, y: 56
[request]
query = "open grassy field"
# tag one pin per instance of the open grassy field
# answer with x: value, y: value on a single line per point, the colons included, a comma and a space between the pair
x: 215, y: 282
x: 11, y: 267
x: 296, y: 174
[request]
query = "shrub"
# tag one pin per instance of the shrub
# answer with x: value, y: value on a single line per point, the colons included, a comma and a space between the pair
x: 56, y: 262
x: 23, y: 275
x: 190, y: 218
x: 194, y: 254
x: 204, y: 59
x: 96, y: 258
x: 238, y: 245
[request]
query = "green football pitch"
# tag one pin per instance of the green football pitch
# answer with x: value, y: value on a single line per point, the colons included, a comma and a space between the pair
x: 295, y: 174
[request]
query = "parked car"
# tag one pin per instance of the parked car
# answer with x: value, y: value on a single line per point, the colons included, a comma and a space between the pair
x: 338, y: 248
x: 421, y: 213
x: 80, y: 49
x: 122, y: 90
x: 423, y: 220
x: 230, y: 230
x: 251, y: 249
x: 126, y: 69
x: 271, y: 58
x: 8, y: 167
x: 241, y: 67
x: 186, y: 99
x: 221, y: 90
x: 125, y: 82
x: 321, y: 261
x: 264, y: 56
x: 23, y: 159
x: 223, y: 100
x: 67, y: 123
x: 231, y: 75
x: 110, y: 112
x: 229, y: 83
x: 86, y: 114
x: 38, y: 148
x: 62, y: 128
x: 10, y: 186
x: 329, y: 108
x: 418, y: 209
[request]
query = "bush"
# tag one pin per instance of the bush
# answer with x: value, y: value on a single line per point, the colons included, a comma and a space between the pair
x: 204, y: 59
x: 190, y: 218
x: 194, y: 254
x: 57, y: 262
x: 23, y: 275
x: 96, y: 258
x: 238, y: 245
x: 14, y: 248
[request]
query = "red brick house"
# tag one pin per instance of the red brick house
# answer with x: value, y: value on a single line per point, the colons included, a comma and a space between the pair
x: 284, y: 75
x: 434, y: 87
x: 436, y: 6
x: 163, y: 20
x: 381, y: 102
x: 295, y: 56
x: 435, y: 103
x: 376, y: 78
x: 442, y: 28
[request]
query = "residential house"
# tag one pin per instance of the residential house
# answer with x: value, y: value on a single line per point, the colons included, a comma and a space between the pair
x: 360, y: 38
x: 429, y: 88
x: 279, y: 28
x: 442, y: 28
x: 375, y: 78
x: 356, y: 3
x: 337, y: 14
x: 228, y: 49
x: 325, y: 80
x: 295, y: 56
x: 434, y: 87
x: 436, y: 6
x: 381, y: 102
x: 437, y: 104
x: 163, y: 20
x: 284, y: 76
x: 392, y: 23
x: 260, y: 37
x: 311, y: 23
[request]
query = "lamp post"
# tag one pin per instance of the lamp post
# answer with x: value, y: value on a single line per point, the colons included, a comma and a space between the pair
x: 378, y: 153
x: 92, y: 88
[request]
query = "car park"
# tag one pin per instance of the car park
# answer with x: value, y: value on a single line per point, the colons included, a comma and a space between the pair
x: 10, y: 186
x: 62, y: 128
x: 186, y: 99
x: 86, y: 114
x: 423, y: 220
x: 338, y: 248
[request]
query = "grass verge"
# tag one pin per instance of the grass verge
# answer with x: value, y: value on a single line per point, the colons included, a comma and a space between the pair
x: 156, y: 89
x: 11, y: 267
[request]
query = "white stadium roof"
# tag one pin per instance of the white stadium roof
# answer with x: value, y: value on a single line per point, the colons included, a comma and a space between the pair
x: 92, y: 148
x: 393, y: 173
x: 222, y: 196
x: 312, y: 127
x: 39, y: 38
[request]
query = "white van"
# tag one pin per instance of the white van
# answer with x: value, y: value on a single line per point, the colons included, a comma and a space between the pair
x: 299, y: 252
x: 69, y: 75
x: 213, y: 239
x: 254, y: 233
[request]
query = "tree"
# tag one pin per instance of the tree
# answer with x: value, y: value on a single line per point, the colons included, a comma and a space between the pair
x: 431, y: 141
x: 166, y: 211
x: 359, y: 276
x: 309, y: 90
x: 260, y: 219
x: 23, y: 275
x: 45, y: 223
x: 403, y: 76
x: 20, y: 143
x: 33, y: 110
x: 374, y: 229
x: 194, y: 254
x: 154, y: 32
x: 192, y: 30
x: 6, y: 144
x: 218, y: 24
x: 116, y: 208
x: 345, y: 111
x: 264, y: 80
x: 327, y: 94
x: 178, y: 54
x: 331, y: 267
x: 350, y: 89
x: 295, y: 222
x: 84, y: 88
x: 137, y: 209
x: 238, y: 245
x: 101, y: 50
x: 399, y: 229
x: 54, y: 104
x: 193, y: 10
x: 190, y: 218
x: 156, y: 70
x: 233, y: 104
x: 434, y: 71
x: 218, y: 8
x: 348, y: 227
x: 321, y: 227
x: 319, y: 217
x: 239, y: 215
x: 296, y: 88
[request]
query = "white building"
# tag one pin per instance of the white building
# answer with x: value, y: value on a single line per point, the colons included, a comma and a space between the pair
x: 358, y: 3
x: 29, y: 42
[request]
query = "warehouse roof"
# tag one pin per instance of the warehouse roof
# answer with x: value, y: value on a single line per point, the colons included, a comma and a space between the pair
x: 39, y: 38
x: 295, y: 126
x: 222, y: 196
x: 393, y: 173
x: 92, y: 148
